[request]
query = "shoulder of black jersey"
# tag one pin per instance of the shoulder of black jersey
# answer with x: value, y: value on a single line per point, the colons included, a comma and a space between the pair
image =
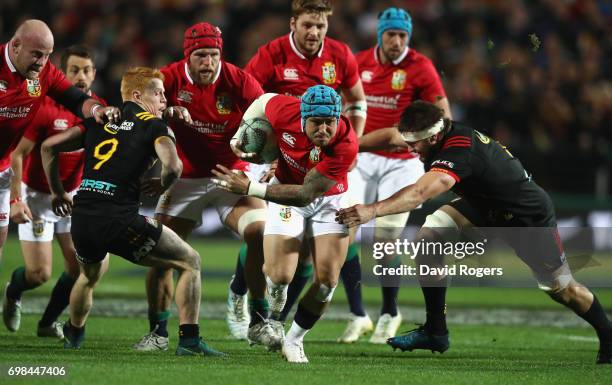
x: 460, y: 136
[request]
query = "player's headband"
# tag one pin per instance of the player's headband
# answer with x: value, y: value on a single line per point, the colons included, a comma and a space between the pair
x: 201, y: 35
x: 393, y: 18
x: 424, y: 134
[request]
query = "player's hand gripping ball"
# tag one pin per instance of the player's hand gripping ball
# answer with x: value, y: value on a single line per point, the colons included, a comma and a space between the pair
x: 258, y: 138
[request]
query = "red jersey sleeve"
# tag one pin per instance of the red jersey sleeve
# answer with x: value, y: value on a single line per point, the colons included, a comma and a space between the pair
x: 58, y: 83
x: 251, y: 89
x: 336, y: 163
x: 261, y: 66
x: 277, y: 110
x: 351, y: 69
x: 429, y: 83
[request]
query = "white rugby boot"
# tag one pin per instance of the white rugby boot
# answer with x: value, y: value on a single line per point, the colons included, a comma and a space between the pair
x: 152, y: 342
x: 237, y: 315
x: 356, y: 327
x: 386, y: 327
x: 293, y: 351
x: 262, y: 333
x: 11, y: 311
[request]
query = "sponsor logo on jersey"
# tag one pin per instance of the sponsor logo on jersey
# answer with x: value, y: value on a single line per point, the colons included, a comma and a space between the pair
x: 445, y: 163
x: 3, y: 85
x: 315, y: 155
x: 386, y: 102
x: 329, y: 73
x: 292, y: 162
x: 112, y: 128
x: 208, y: 127
x: 33, y: 87
x: 366, y: 76
x: 224, y: 104
x: 285, y: 213
x: 184, y: 96
x: 98, y: 186
x: 398, y: 80
x: 60, y: 124
x: 291, y: 74
x: 289, y: 139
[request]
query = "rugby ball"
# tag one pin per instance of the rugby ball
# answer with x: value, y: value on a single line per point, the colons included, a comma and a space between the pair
x: 258, y: 137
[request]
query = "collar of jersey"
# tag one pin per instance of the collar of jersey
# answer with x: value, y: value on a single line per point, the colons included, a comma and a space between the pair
x: 216, y: 75
x: 9, y: 63
x: 396, y: 61
x: 297, y: 51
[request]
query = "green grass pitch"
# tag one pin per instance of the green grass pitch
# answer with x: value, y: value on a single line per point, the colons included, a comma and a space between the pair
x: 479, y: 354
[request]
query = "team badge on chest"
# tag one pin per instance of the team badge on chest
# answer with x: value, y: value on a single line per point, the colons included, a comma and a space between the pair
x: 33, y: 87
x: 329, y: 73
x: 398, y: 80
x: 224, y: 104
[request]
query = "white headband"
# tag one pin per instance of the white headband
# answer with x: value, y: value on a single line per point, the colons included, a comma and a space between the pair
x: 424, y: 134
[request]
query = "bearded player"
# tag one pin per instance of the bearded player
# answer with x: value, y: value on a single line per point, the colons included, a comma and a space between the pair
x: 26, y: 77
x: 215, y: 94
x: 393, y: 75
x: 31, y: 207
x: 308, y: 188
x: 289, y: 65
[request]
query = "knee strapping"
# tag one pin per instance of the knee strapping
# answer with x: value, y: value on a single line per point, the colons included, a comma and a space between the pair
x: 442, y: 223
x: 251, y: 216
x: 325, y: 293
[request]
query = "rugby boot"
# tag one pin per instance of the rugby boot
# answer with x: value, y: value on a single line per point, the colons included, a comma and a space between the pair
x: 386, y: 327
x: 237, y: 315
x: 54, y: 330
x: 73, y: 338
x: 11, y: 311
x: 420, y: 338
x: 357, y: 326
x: 197, y: 346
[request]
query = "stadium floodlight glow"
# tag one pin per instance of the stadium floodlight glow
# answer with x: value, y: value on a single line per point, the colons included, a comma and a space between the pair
x: 423, y: 134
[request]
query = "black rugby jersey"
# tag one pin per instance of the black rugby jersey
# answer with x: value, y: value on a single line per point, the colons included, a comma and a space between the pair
x: 488, y: 175
x: 116, y: 157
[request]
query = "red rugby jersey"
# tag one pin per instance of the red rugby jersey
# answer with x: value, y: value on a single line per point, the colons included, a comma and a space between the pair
x: 281, y: 68
x: 216, y: 110
x: 297, y: 153
x: 391, y: 87
x: 53, y: 118
x: 20, y: 98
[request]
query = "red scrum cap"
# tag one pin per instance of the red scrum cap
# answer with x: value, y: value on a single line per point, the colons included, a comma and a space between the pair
x: 202, y: 35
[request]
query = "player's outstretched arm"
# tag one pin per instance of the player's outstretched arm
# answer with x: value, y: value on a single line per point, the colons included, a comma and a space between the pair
x: 172, y: 167
x: 430, y: 185
x: 315, y: 185
x: 20, y: 212
x: 384, y: 139
x: 69, y: 140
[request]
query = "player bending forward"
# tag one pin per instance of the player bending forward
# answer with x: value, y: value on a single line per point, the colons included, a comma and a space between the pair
x: 495, y: 192
x: 105, y: 216
x: 317, y: 149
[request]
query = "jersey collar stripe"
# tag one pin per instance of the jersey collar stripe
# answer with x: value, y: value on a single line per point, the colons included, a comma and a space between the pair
x: 453, y: 140
x: 448, y: 172
x: 396, y: 61
x: 216, y: 74
x: 9, y: 63
x: 187, y: 74
x: 297, y: 51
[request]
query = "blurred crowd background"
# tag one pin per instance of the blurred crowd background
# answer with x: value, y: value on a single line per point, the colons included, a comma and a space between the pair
x: 534, y: 74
